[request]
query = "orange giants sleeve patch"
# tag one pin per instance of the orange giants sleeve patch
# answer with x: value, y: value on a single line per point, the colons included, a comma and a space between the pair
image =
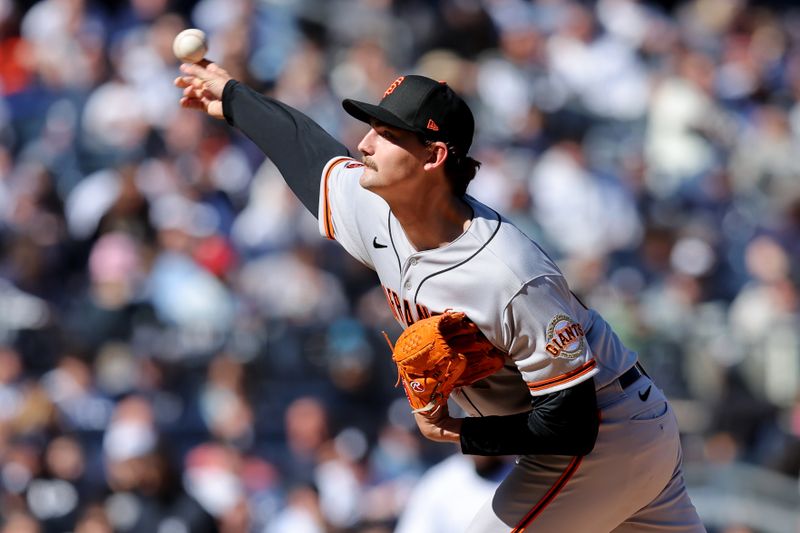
x: 565, y: 338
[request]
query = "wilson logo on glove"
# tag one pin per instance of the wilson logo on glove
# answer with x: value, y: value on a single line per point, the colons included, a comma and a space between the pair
x: 437, y: 354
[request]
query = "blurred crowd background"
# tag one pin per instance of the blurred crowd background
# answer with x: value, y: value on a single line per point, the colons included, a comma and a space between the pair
x: 180, y: 351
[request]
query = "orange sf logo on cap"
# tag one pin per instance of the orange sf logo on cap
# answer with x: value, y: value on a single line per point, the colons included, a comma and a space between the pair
x: 395, y: 84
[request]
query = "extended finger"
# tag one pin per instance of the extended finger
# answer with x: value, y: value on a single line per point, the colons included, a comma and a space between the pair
x: 196, y: 70
x: 192, y: 103
x: 198, y: 90
x: 198, y: 84
x: 182, y: 81
x: 193, y: 92
x: 436, y: 414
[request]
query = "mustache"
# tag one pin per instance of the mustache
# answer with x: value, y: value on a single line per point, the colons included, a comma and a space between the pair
x: 369, y: 163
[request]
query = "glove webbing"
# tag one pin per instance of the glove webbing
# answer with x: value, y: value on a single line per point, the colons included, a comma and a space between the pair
x: 432, y: 403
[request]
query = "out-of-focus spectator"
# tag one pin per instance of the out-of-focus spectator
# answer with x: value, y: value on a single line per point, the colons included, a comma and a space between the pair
x: 212, y: 479
x: 444, y: 495
x: 56, y: 495
x: 307, y: 435
x: 685, y: 123
x: 290, y: 286
x: 113, y: 306
x: 762, y: 166
x: 11, y: 386
x: 147, y: 489
x: 581, y: 214
x: 70, y: 386
x: 302, y: 513
x: 20, y: 522
x: 764, y: 317
x: 93, y: 520
x: 224, y: 406
x: 602, y: 71
x: 21, y: 464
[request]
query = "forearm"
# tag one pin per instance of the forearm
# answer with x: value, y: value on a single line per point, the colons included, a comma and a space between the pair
x: 297, y: 145
x: 562, y: 423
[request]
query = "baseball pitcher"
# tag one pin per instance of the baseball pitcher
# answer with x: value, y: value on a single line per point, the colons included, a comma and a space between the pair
x: 490, y: 320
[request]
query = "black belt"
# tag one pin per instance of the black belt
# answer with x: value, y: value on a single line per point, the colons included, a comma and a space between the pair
x: 630, y: 376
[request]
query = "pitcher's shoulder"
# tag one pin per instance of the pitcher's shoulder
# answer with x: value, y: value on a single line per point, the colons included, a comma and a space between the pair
x: 518, y: 252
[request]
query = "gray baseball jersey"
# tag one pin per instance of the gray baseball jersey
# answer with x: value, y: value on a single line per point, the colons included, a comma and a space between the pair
x: 520, y: 300
x: 510, y: 288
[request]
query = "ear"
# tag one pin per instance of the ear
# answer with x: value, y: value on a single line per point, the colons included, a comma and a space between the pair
x: 437, y: 155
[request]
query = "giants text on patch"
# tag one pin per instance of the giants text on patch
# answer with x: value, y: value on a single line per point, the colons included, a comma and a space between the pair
x: 565, y: 337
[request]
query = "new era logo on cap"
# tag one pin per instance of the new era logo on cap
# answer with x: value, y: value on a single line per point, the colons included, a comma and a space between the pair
x: 427, y: 107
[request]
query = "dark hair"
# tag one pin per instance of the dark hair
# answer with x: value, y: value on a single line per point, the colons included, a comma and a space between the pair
x: 459, y: 169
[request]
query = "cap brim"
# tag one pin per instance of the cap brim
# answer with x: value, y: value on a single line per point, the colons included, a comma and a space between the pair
x: 367, y: 112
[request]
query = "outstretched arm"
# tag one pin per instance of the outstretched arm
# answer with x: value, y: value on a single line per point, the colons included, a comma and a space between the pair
x: 297, y: 145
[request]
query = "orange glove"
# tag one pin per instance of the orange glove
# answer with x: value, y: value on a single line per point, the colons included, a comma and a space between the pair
x: 439, y: 353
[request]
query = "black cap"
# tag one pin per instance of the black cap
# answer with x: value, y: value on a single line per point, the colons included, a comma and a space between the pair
x: 422, y: 105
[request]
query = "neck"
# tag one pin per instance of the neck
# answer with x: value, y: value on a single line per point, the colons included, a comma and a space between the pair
x: 432, y: 222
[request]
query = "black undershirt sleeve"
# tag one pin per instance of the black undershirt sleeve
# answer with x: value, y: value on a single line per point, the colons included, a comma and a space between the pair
x: 297, y: 145
x: 561, y: 423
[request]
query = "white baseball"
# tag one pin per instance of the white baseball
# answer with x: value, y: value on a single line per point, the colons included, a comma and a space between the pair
x: 190, y: 45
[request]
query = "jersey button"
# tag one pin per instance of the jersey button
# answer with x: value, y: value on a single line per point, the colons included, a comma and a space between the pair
x: 414, y: 261
x: 408, y: 285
